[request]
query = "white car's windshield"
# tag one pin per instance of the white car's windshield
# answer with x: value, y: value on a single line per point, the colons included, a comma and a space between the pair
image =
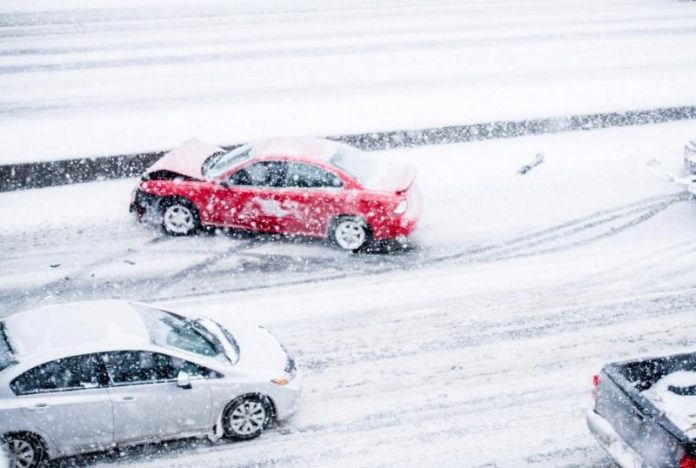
x: 6, y: 356
x: 218, y: 165
x: 174, y: 331
x: 229, y: 342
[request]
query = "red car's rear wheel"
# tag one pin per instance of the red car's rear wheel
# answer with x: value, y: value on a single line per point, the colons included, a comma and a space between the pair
x: 350, y: 233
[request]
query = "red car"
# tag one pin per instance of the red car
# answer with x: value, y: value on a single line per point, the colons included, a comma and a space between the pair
x: 306, y: 187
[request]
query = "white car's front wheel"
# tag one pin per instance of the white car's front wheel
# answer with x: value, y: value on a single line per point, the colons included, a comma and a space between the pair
x: 246, y: 418
x: 350, y: 233
x: 24, y: 451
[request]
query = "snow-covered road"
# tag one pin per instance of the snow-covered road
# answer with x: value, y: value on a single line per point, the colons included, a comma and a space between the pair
x: 84, y: 78
x: 477, y: 348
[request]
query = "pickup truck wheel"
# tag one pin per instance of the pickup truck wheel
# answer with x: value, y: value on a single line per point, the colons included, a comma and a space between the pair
x: 246, y: 418
x: 350, y: 233
x: 24, y: 451
x: 179, y: 217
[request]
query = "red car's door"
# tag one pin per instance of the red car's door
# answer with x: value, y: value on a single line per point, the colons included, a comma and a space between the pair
x: 249, y: 197
x: 311, y: 199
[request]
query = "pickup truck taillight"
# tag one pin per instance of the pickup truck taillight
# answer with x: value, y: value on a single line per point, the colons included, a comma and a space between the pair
x: 687, y: 461
x: 595, y: 386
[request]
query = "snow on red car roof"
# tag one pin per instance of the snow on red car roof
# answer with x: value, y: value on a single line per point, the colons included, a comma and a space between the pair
x: 301, y: 148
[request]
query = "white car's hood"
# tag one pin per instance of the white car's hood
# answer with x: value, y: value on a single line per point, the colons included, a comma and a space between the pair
x: 258, y: 349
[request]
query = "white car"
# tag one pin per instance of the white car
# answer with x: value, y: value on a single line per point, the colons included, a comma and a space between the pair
x: 90, y: 376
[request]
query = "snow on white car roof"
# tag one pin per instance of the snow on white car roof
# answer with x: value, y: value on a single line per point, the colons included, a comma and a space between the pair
x: 313, y: 148
x: 52, y: 329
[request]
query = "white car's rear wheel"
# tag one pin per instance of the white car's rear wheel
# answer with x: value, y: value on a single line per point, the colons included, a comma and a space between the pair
x: 23, y: 451
x: 179, y: 218
x: 246, y: 418
x: 350, y: 233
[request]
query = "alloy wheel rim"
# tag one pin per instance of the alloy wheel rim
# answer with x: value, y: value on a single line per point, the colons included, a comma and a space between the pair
x: 21, y: 453
x: 248, y: 417
x: 350, y: 234
x: 178, y: 219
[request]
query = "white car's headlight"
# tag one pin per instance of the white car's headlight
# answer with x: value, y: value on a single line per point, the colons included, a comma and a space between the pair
x: 401, y: 207
x: 284, y: 380
x: 289, y: 373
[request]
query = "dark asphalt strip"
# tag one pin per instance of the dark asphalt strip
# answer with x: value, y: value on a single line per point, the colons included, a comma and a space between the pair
x: 69, y: 171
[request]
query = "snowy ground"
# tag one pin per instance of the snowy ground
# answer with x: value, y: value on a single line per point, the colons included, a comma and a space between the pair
x: 81, y: 78
x: 477, y: 348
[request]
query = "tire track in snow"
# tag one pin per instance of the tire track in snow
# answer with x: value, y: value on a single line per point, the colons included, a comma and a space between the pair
x: 522, y: 246
x: 328, y: 51
x: 80, y: 281
x: 131, y: 43
x: 258, y: 270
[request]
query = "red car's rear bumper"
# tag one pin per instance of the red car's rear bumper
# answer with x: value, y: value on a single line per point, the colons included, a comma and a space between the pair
x: 401, y: 227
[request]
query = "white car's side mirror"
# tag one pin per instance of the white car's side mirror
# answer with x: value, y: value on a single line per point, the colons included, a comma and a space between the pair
x: 183, y: 380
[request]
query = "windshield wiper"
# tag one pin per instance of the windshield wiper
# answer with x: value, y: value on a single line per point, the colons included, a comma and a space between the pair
x: 201, y: 330
x: 211, y: 161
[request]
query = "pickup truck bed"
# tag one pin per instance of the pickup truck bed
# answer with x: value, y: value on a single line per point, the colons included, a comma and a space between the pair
x: 630, y: 421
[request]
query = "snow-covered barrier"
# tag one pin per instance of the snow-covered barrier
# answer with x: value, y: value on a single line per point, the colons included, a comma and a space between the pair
x: 69, y: 171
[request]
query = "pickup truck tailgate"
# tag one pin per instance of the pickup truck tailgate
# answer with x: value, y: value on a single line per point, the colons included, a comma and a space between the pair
x: 625, y: 422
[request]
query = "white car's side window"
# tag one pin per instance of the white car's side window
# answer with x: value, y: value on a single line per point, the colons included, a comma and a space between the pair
x: 72, y: 373
x: 139, y: 367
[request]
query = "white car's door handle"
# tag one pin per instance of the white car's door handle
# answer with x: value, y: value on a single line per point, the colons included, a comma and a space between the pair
x: 39, y: 407
x: 128, y: 399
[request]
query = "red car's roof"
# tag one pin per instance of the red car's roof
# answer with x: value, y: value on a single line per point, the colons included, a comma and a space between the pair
x: 295, y: 148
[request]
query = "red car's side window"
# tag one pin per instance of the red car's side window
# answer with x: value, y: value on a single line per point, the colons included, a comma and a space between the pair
x: 308, y: 176
x: 260, y: 174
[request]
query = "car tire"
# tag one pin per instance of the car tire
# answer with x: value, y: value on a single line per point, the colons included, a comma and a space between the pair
x: 24, y: 450
x: 350, y: 233
x: 179, y: 217
x: 246, y: 417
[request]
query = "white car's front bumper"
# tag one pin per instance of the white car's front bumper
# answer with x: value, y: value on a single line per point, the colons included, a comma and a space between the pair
x: 287, y: 398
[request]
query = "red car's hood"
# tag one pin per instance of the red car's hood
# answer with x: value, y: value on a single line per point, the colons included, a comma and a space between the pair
x: 186, y: 159
x: 392, y: 177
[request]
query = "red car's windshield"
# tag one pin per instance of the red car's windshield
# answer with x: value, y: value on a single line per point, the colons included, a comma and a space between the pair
x: 221, y: 164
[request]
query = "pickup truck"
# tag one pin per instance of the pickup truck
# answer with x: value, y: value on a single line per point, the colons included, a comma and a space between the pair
x: 644, y: 413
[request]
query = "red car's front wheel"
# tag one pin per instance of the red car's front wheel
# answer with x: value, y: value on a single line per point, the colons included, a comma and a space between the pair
x: 179, y: 217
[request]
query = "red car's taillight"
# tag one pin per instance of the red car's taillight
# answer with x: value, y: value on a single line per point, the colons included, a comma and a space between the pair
x: 687, y: 461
